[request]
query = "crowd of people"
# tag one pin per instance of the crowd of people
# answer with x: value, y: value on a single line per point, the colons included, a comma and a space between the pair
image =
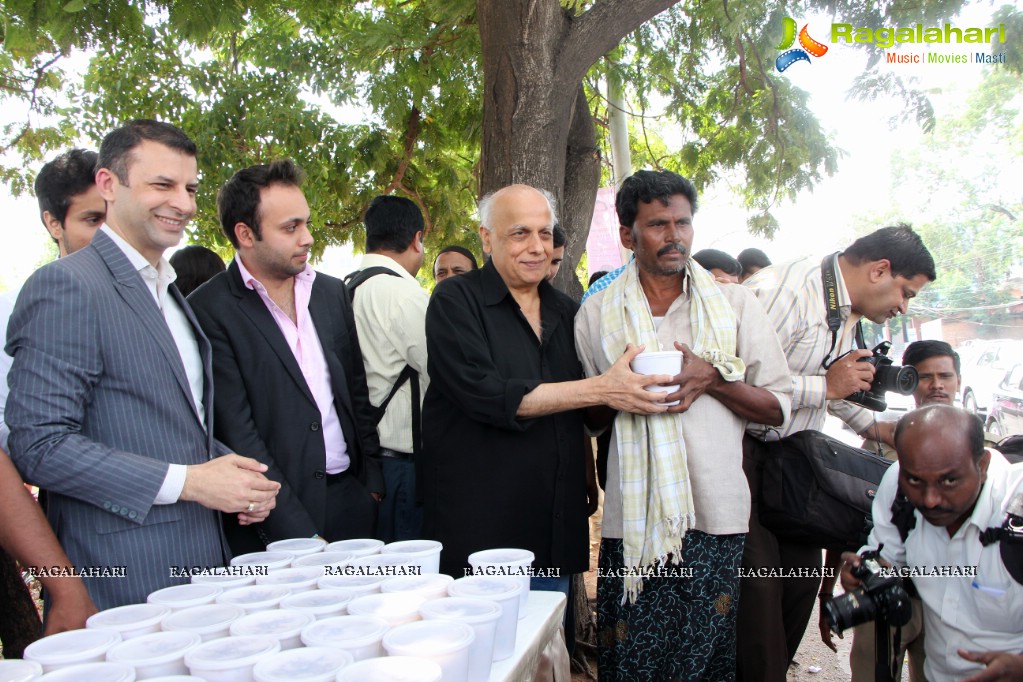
x: 280, y: 402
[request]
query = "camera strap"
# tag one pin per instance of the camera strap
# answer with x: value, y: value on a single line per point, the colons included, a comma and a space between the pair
x: 830, y: 280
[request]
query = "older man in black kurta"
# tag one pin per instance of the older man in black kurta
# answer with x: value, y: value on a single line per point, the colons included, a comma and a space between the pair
x: 503, y: 461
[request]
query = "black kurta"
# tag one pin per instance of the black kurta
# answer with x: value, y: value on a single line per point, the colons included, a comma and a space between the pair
x: 490, y: 479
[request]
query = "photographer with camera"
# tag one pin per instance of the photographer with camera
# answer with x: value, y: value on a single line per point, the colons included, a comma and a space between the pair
x: 950, y: 514
x: 816, y: 307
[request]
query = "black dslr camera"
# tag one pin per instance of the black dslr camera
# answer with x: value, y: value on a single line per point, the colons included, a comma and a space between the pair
x: 887, y: 377
x: 881, y: 599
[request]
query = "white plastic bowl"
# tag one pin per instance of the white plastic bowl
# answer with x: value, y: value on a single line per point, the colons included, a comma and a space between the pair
x: 70, y: 648
x: 444, y: 642
x: 230, y: 659
x: 92, y: 672
x: 296, y: 579
x: 358, y: 635
x: 320, y: 603
x: 267, y: 560
x: 426, y: 552
x: 504, y: 592
x: 358, y: 547
x: 161, y: 653
x: 298, y: 546
x: 255, y: 597
x: 392, y: 669
x: 481, y: 615
x: 514, y: 564
x: 285, y: 626
x: 311, y: 664
x: 359, y: 585
x: 429, y: 585
x: 19, y: 670
x: 325, y: 561
x: 185, y: 596
x: 228, y: 577
x: 211, y: 621
x: 387, y: 565
x: 133, y: 620
x: 397, y: 608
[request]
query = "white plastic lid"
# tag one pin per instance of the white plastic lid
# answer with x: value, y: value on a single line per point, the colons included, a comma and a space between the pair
x: 318, y: 601
x: 428, y: 638
x: 130, y: 617
x: 486, y: 587
x: 159, y: 647
x: 303, y: 576
x: 255, y: 596
x: 228, y: 577
x: 183, y: 596
x: 416, y: 547
x: 391, y: 559
x: 203, y: 619
x: 19, y: 670
x: 298, y: 546
x: 345, y: 631
x: 104, y: 671
x: 390, y: 607
x: 427, y: 584
x: 279, y: 623
x: 65, y: 648
x: 360, y: 584
x: 228, y: 653
x: 392, y: 669
x: 502, y: 556
x: 358, y: 547
x: 268, y: 559
x: 174, y: 678
x: 324, y: 559
x: 462, y: 609
x: 311, y: 664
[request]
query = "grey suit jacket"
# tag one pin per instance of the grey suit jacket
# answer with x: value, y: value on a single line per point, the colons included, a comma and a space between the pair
x: 99, y: 406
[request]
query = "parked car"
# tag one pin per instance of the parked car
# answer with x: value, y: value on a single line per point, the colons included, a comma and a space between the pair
x: 984, y: 366
x: 1006, y: 414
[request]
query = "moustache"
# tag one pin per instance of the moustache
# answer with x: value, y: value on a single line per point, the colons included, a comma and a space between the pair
x: 672, y: 247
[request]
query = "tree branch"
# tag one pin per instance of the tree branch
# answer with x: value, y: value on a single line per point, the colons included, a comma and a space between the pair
x: 411, y: 135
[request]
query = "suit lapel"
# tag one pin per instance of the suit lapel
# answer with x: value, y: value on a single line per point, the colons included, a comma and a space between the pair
x: 325, y: 314
x: 206, y: 355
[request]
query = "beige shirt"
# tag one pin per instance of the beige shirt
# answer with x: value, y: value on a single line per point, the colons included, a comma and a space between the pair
x: 712, y: 432
x: 390, y: 315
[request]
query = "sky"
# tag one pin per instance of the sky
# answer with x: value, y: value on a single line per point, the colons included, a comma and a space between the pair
x: 817, y: 222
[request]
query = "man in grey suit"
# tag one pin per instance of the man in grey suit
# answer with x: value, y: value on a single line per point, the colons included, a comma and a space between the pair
x: 110, y: 407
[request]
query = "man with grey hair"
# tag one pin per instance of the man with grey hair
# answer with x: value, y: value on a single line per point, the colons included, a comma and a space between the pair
x: 503, y: 462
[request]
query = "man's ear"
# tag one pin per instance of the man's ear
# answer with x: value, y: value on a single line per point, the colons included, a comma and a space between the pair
x: 244, y: 234
x: 53, y: 226
x: 418, y: 242
x: 625, y: 234
x: 106, y: 181
x: 485, y: 238
x: 878, y: 269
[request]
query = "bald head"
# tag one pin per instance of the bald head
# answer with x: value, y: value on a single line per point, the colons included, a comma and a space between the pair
x: 944, y: 422
x: 495, y: 205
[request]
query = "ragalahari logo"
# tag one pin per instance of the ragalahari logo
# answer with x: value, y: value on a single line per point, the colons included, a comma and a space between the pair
x: 809, y: 46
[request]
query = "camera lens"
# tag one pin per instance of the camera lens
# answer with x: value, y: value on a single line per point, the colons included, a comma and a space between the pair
x: 893, y: 378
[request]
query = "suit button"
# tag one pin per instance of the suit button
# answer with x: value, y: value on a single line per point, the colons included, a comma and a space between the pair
x: 124, y: 512
x: 115, y: 508
x: 315, y: 426
x: 132, y: 515
x: 106, y: 504
x: 318, y: 474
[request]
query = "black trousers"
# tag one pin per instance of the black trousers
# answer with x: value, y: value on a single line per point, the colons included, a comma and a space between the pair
x: 351, y: 510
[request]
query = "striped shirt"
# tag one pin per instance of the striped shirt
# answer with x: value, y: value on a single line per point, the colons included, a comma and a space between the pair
x: 793, y: 296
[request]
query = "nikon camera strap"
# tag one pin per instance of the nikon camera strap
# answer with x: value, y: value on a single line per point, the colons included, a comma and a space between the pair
x: 830, y: 280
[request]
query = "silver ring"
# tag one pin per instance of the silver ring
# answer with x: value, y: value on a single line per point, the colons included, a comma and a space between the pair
x: 252, y: 507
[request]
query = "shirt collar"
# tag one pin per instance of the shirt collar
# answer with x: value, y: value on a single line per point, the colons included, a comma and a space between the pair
x: 495, y: 290
x: 165, y: 273
x: 989, y: 501
x: 307, y: 276
x: 844, y: 301
x: 374, y: 260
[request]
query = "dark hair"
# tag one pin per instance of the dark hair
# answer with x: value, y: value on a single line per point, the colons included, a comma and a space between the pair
x: 238, y: 199
x: 900, y: 246
x: 560, y: 236
x: 115, y: 152
x: 752, y: 258
x: 194, y: 265
x: 595, y: 276
x: 392, y: 223
x: 70, y: 174
x: 974, y: 426
x: 918, y: 351
x: 713, y: 258
x: 645, y: 186
x: 455, y: 248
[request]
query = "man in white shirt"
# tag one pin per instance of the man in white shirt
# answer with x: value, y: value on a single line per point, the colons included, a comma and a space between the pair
x: 964, y: 543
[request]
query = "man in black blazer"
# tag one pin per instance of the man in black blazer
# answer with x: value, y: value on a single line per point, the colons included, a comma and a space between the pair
x: 291, y: 385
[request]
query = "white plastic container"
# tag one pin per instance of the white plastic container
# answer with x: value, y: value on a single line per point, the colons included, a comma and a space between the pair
x: 285, y: 626
x: 481, y: 615
x: 211, y: 621
x: 185, y: 596
x: 357, y: 548
x: 268, y: 559
x: 230, y: 659
x: 310, y: 664
x: 397, y: 608
x: 155, y: 655
x: 358, y: 635
x: 227, y: 578
x: 426, y: 553
x: 506, y: 594
x: 659, y: 362
x: 320, y: 603
x: 324, y: 560
x: 298, y: 546
x: 359, y: 585
x: 92, y: 672
x: 175, y: 678
x: 19, y: 670
x: 514, y: 564
x: 387, y: 565
x: 392, y: 669
x: 133, y: 620
x: 255, y: 597
x: 429, y: 585
x: 296, y: 579
x: 444, y: 642
x: 70, y: 648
